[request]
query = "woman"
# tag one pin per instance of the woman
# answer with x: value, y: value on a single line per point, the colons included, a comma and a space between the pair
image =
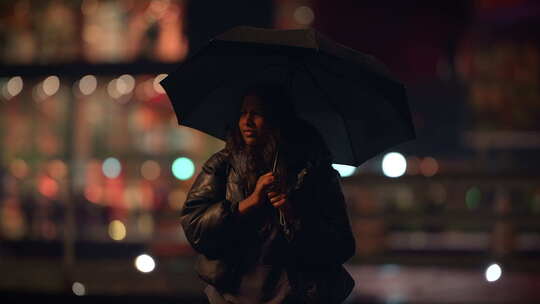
x: 270, y: 232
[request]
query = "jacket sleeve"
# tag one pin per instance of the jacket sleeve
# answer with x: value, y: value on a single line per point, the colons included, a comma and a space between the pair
x: 321, y: 232
x: 208, y: 219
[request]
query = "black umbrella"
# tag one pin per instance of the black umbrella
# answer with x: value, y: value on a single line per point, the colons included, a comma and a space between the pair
x: 357, y: 106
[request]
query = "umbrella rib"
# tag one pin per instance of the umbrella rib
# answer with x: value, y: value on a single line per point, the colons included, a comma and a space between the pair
x: 317, y: 84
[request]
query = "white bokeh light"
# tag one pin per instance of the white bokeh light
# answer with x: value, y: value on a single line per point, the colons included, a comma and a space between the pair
x: 394, y: 164
x: 125, y: 84
x: 344, y: 170
x: 493, y: 273
x: 88, y: 84
x: 78, y: 289
x: 51, y: 85
x: 145, y: 263
x: 14, y: 86
x: 112, y: 89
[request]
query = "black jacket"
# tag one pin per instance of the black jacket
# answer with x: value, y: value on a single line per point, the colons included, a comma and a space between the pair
x: 321, y: 240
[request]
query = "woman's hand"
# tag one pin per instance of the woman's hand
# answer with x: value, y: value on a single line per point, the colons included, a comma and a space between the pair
x: 277, y: 199
x: 264, y: 182
x: 258, y: 196
x: 281, y: 201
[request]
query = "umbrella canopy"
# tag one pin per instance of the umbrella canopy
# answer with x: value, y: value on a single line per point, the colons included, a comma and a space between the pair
x: 350, y: 97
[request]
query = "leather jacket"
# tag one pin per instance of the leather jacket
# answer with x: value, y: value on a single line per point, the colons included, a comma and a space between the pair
x: 320, y: 241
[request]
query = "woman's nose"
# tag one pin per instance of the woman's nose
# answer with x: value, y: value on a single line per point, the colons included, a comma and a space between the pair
x: 249, y: 120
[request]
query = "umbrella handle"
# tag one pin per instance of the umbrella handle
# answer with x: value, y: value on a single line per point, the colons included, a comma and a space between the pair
x: 282, y: 219
x: 275, y: 161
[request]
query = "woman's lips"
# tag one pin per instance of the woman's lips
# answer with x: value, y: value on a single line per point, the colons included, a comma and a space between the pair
x: 249, y: 133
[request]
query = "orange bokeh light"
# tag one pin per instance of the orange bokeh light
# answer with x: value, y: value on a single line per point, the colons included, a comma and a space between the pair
x: 48, y: 186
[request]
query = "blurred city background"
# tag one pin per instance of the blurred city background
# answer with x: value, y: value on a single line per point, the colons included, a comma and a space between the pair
x: 94, y: 167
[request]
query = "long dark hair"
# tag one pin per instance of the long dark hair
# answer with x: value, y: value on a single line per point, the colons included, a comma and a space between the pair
x: 296, y: 140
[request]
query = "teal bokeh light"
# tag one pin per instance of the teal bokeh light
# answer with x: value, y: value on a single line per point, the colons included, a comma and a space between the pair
x: 111, y: 167
x: 473, y: 197
x: 183, y: 168
x: 344, y: 170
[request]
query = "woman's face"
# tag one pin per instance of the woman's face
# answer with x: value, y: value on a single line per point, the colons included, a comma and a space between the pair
x: 251, y: 123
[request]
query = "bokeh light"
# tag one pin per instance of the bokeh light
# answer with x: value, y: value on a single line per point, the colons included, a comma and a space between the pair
x: 125, y: 84
x: 78, y: 289
x: 111, y: 167
x: 394, y: 164
x: 304, y: 15
x: 183, y: 168
x: 429, y: 166
x: 150, y: 170
x: 145, y: 263
x: 132, y: 194
x: 3, y: 87
x: 145, y: 224
x: 493, y: 273
x: 404, y: 198
x: 37, y: 92
x: 117, y: 230
x: 88, y: 84
x: 51, y: 85
x: 47, y: 186
x: 19, y: 168
x: 472, y: 197
x: 93, y: 193
x: 14, y: 86
x: 112, y: 89
x: 413, y: 165
x: 57, y: 169
x: 344, y: 170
